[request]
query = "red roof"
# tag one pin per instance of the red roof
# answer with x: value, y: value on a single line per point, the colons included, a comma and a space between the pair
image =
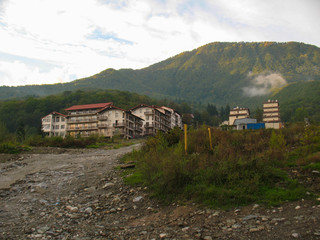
x: 55, y: 113
x: 89, y: 106
x: 111, y: 107
x: 139, y: 106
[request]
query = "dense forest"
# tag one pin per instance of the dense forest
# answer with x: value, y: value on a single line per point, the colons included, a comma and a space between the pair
x: 220, y: 73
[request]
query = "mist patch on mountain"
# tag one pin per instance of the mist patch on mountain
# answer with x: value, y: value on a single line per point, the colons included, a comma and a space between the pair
x: 263, y: 84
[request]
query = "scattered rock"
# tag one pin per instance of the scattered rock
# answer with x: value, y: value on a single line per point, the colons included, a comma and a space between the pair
x: 72, y: 209
x: 88, y: 210
x: 137, y: 199
x: 295, y: 235
x: 255, y: 206
x: 43, y: 229
x: 256, y: 229
x: 249, y: 217
x: 107, y: 185
x: 163, y: 235
x: 207, y: 238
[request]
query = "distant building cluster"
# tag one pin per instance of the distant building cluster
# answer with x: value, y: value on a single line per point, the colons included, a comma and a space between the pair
x: 105, y: 119
x: 239, y: 118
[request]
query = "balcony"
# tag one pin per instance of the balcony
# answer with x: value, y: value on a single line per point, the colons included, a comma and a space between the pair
x: 103, y: 126
x: 138, y: 129
x: 119, y: 125
x: 82, y: 120
x: 102, y: 118
x: 148, y: 112
x: 149, y: 126
x: 82, y: 128
x: 81, y: 113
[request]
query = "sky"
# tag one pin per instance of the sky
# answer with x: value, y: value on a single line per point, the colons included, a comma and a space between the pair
x: 58, y: 41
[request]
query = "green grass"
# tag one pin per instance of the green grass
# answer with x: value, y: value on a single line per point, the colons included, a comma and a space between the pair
x: 313, y: 166
x: 245, y: 166
x: 13, y: 148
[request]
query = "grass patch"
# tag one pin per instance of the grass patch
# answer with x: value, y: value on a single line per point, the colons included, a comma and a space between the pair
x: 79, y: 142
x: 13, y: 148
x: 244, y: 167
x: 134, y: 178
x: 313, y: 166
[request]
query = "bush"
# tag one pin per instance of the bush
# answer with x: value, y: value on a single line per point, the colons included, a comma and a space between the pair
x: 244, y: 167
x: 12, y: 148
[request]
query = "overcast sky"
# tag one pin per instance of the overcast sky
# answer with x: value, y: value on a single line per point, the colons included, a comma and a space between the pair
x: 50, y: 41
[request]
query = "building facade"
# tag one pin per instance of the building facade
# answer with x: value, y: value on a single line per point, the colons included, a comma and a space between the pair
x: 54, y: 124
x: 155, y: 118
x: 242, y: 123
x: 105, y: 119
x: 116, y: 121
x: 102, y: 119
x: 238, y: 113
x: 271, y: 114
x: 176, y: 118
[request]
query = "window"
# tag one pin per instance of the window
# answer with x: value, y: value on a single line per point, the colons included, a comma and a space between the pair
x: 147, y: 117
x: 57, y: 119
x: 63, y: 119
x: 62, y: 126
x: 117, y: 114
x: 57, y: 127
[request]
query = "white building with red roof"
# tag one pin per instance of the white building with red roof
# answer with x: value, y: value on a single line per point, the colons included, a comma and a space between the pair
x: 54, y: 124
x: 103, y: 119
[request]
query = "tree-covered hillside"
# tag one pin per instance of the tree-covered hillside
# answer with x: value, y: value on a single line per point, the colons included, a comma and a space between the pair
x: 220, y: 73
x: 300, y: 100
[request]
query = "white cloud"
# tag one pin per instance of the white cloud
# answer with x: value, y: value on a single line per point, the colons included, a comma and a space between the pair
x: 264, y: 83
x: 17, y: 73
x: 86, y: 37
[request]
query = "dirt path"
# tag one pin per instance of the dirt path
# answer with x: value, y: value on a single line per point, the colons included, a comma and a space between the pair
x: 79, y: 194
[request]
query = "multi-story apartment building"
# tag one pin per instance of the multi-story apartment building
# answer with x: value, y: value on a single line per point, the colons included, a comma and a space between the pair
x: 271, y: 115
x: 238, y: 113
x: 54, y: 124
x: 155, y: 118
x: 116, y: 121
x: 176, y: 119
x: 107, y: 120
x: 102, y: 119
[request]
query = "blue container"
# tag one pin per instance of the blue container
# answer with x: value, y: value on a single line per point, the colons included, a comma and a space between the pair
x: 255, y: 126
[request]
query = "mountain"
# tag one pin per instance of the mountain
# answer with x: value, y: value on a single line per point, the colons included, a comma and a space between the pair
x: 236, y: 73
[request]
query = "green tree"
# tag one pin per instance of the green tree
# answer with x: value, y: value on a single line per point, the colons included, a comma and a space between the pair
x: 4, y: 133
x: 21, y: 133
x: 258, y: 114
x: 300, y: 114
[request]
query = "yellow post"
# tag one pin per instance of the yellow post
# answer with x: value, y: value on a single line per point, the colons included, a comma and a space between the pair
x: 185, y: 138
x: 210, y: 139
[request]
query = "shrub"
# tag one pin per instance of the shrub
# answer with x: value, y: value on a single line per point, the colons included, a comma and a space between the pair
x: 244, y: 167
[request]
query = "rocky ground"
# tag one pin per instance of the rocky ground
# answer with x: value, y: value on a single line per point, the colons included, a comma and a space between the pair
x: 79, y: 194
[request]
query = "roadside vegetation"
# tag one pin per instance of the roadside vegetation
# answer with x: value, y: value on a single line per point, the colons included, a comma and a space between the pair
x: 13, y: 143
x: 242, y: 167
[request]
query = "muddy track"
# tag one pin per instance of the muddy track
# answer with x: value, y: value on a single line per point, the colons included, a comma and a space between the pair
x: 79, y: 194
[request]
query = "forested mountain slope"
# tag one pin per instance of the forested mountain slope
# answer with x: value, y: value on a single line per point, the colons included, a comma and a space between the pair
x: 220, y: 73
